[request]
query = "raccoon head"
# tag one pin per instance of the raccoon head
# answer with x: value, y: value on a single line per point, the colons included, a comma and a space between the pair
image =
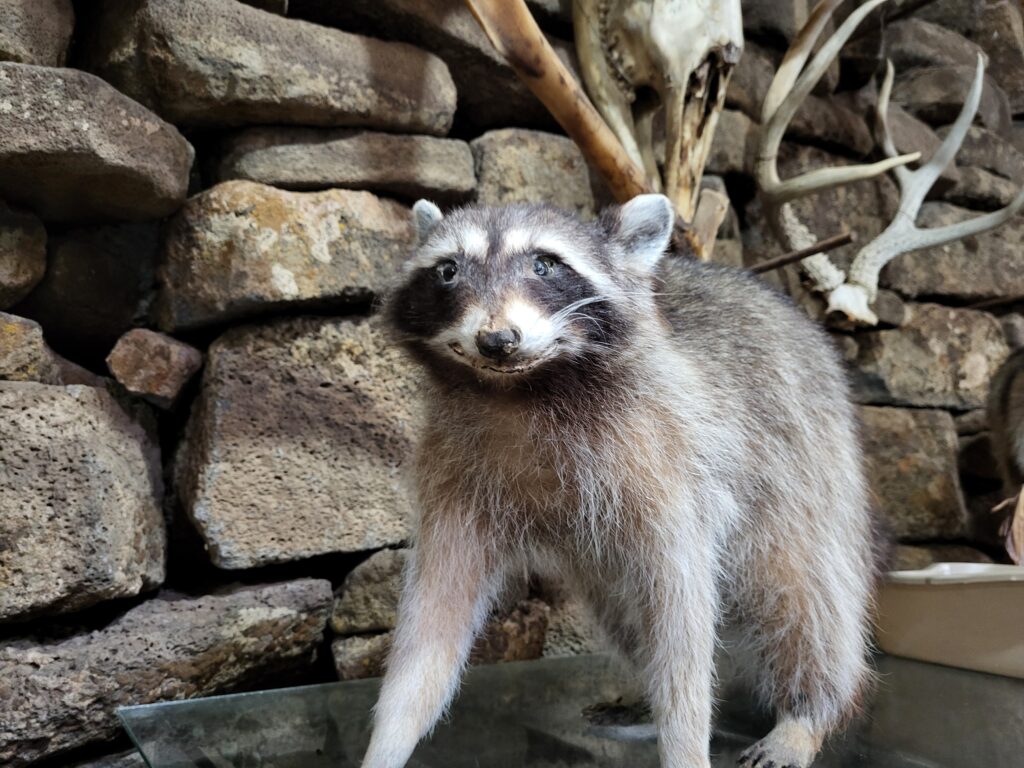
x: 506, y: 295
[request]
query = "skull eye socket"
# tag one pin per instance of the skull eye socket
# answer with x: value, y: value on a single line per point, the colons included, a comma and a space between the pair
x: 446, y: 271
x: 543, y: 264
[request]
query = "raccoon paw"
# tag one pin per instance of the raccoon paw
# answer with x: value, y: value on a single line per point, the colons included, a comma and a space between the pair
x: 789, y: 745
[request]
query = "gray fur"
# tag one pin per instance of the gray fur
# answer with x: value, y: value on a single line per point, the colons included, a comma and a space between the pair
x: 699, y: 469
x: 1006, y: 421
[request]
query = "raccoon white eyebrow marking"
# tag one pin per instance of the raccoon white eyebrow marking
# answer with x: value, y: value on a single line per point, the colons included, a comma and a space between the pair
x: 470, y: 242
x: 516, y: 240
x: 579, y: 263
x: 474, y: 243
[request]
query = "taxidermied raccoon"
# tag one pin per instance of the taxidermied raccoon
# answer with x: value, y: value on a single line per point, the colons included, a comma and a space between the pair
x: 671, y: 438
x: 1006, y: 421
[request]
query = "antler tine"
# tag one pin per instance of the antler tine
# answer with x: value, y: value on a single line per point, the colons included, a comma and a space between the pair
x: 776, y: 120
x: 793, y: 62
x: 903, y: 235
x: 882, y: 123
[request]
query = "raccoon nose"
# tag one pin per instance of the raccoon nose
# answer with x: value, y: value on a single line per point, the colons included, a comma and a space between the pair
x: 498, y: 344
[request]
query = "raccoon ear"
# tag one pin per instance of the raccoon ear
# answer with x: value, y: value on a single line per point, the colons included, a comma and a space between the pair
x: 643, y: 229
x: 427, y: 216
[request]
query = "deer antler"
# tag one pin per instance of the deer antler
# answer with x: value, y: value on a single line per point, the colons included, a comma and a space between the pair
x: 791, y: 85
x: 902, y: 235
x: 854, y: 294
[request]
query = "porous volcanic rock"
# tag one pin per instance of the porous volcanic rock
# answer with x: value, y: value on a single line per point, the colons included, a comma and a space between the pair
x: 22, y: 255
x: 750, y: 80
x: 299, y: 442
x: 308, y: 159
x: 1000, y: 31
x: 981, y: 190
x: 220, y: 62
x: 490, y: 94
x: 36, y: 31
x: 79, y: 501
x: 909, y: 43
x: 936, y: 95
x: 978, y: 267
x: 99, y: 282
x: 517, y: 635
x: 75, y: 148
x: 732, y: 148
x: 984, y: 149
x: 153, y: 365
x: 940, y: 357
x: 24, y: 355
x: 60, y: 694
x: 368, y: 599
x: 515, y: 165
x: 242, y: 249
x: 912, y: 470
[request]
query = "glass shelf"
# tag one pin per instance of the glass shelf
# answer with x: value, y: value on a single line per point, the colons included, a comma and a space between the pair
x: 529, y: 715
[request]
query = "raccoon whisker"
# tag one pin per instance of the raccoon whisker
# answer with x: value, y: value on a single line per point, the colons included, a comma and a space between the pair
x: 569, y: 309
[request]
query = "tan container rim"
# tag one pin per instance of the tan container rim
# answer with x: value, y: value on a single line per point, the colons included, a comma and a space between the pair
x: 957, y: 573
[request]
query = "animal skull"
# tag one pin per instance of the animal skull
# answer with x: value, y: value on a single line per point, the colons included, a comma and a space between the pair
x: 680, y: 51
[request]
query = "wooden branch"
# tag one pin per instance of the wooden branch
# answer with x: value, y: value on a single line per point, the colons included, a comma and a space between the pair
x: 822, y: 246
x: 516, y: 36
x: 712, y: 208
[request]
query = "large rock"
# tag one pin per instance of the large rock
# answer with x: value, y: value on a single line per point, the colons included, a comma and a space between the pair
x: 22, y: 255
x: 978, y: 267
x: 219, y: 62
x: 241, y: 249
x: 299, y: 443
x: 732, y: 149
x: 912, y: 470
x: 515, y: 165
x: 751, y: 79
x: 1000, y: 31
x: 100, y: 281
x: 62, y: 694
x: 984, y: 149
x: 490, y: 93
x: 75, y: 148
x: 307, y: 159
x: 24, y: 354
x: 776, y: 18
x: 79, y: 501
x: 940, y: 357
x: 368, y: 599
x: 981, y: 190
x: 516, y: 635
x: 130, y: 759
x: 36, y: 31
x: 909, y: 43
x: 936, y: 95
x: 153, y: 365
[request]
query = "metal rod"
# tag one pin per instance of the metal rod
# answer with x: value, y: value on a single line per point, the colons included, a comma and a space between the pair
x: 822, y: 246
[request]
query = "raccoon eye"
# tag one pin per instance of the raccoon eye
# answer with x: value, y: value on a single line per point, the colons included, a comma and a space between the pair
x: 447, y: 270
x: 543, y: 265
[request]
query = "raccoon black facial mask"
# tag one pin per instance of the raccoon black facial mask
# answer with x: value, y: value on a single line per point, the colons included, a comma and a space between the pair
x: 526, y: 289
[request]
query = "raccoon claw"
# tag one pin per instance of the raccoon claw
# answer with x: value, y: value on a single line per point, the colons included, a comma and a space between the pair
x: 751, y: 758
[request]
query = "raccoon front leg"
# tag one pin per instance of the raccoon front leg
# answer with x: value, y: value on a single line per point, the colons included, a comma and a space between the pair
x: 449, y: 589
x: 681, y: 613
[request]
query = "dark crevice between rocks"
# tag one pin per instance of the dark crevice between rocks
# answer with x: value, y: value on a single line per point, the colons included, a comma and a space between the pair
x: 86, y: 754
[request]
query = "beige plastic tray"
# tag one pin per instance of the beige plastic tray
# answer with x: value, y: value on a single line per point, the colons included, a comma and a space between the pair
x: 964, y: 615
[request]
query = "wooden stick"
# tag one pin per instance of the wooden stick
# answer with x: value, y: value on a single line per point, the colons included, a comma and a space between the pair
x: 828, y: 244
x: 516, y: 36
